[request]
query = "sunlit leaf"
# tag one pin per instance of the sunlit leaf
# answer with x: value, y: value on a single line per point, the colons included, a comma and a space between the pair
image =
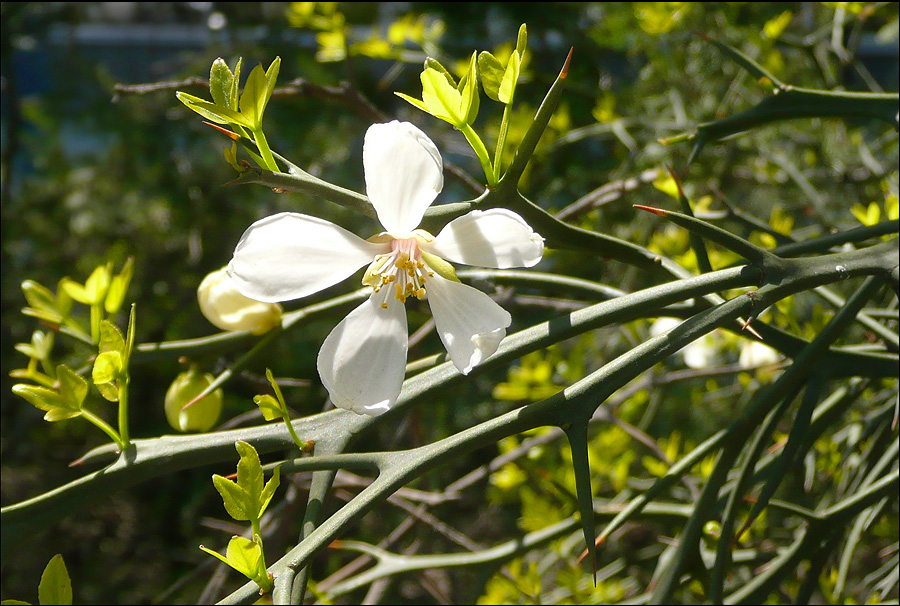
x: 55, y: 586
x: 118, y: 287
x: 111, y: 338
x: 253, y: 99
x: 491, y: 71
x: 107, y: 367
x: 269, y: 407
x: 220, y: 83
x: 72, y: 387
x: 237, y: 503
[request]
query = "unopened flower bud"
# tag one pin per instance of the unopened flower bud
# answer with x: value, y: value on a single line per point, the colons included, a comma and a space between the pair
x: 201, y: 415
x: 228, y: 309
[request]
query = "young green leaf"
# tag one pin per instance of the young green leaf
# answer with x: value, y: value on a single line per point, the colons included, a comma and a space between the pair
x: 253, y: 99
x: 491, y: 71
x: 441, y: 99
x: 270, y: 407
x: 233, y: 102
x: 248, y: 498
x: 40, y: 346
x: 246, y: 557
x: 111, y: 338
x: 213, y: 112
x: 470, y: 101
x: 271, y: 78
x: 436, y: 65
x: 269, y: 490
x: 108, y: 368
x: 118, y: 287
x: 237, y: 503
x: 55, y: 586
x: 522, y: 41
x: 38, y: 296
x: 72, y: 387
x: 97, y: 283
x: 48, y: 400
x: 510, y: 78
x: 220, y: 82
x: 249, y: 473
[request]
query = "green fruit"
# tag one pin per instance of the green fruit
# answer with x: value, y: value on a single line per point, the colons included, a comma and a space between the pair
x: 199, y: 416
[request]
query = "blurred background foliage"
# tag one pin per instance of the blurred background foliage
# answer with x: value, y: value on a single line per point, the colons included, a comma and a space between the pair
x: 93, y: 174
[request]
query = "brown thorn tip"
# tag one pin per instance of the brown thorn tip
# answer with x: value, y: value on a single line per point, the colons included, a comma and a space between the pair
x: 565, y: 70
x: 77, y: 462
x: 656, y: 211
x: 224, y: 131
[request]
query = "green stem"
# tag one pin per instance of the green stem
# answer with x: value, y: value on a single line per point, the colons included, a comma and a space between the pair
x: 264, y: 151
x: 123, y: 411
x: 501, y: 141
x: 255, y: 524
x: 300, y: 443
x: 96, y: 318
x: 105, y: 427
x: 480, y: 151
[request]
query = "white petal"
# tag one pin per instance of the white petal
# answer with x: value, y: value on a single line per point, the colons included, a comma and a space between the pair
x: 404, y: 174
x: 469, y: 322
x: 289, y: 255
x: 496, y: 238
x: 363, y: 361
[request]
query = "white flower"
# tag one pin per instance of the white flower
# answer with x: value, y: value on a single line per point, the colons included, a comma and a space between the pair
x: 755, y: 354
x: 222, y: 304
x: 362, y: 362
x: 702, y: 353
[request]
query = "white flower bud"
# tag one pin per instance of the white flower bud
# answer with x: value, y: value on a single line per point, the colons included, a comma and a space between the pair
x: 228, y: 309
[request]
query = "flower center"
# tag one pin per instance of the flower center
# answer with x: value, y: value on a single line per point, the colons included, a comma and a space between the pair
x: 402, y: 269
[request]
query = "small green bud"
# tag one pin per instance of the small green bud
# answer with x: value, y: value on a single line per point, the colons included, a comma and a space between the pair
x: 200, y: 416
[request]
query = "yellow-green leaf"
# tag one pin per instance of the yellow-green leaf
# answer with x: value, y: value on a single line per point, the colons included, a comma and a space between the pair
x: 249, y: 473
x: 271, y: 78
x: 269, y: 407
x: 253, y: 99
x: 108, y: 367
x: 55, y: 586
x: 236, y: 501
x: 38, y: 296
x: 431, y: 63
x: 98, y: 283
x: 109, y: 391
x: 235, y: 86
x: 115, y: 296
x: 441, y: 99
x: 111, y: 337
x: 244, y: 556
x: 510, y: 78
x: 213, y: 112
x: 72, y: 387
x: 40, y: 397
x: 269, y: 491
x: 414, y: 101
x: 491, y: 71
x: 220, y: 82
x: 522, y: 41
x: 470, y: 101
x: 76, y: 291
